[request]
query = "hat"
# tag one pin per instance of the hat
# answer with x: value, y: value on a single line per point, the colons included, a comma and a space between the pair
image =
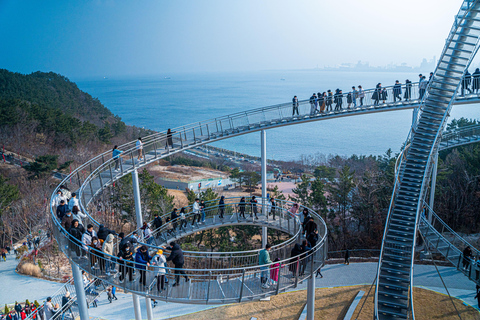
x: 160, y: 252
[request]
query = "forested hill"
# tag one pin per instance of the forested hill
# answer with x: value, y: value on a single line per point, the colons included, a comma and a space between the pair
x: 47, y: 109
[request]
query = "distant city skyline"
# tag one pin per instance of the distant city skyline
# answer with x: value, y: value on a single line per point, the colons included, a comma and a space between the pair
x: 110, y: 37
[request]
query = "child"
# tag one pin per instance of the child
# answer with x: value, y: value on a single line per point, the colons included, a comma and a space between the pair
x: 109, y: 295
x: 274, y: 271
x: 114, y: 289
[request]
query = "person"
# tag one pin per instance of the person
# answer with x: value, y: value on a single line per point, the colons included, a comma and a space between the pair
x: 253, y: 204
x: 183, y: 219
x: 88, y: 236
x: 49, y: 309
x: 384, y: 95
x: 221, y: 207
x: 125, y: 256
x: 431, y: 77
x: 95, y: 254
x: 304, y: 215
x: 125, y: 240
x: 275, y: 271
x: 319, y: 273
x: 349, y: 100
x: 241, y: 207
x: 422, y: 85
x: 408, y: 90
x: 116, y: 155
x: 76, y: 237
x: 147, y: 233
x: 310, y: 226
x: 376, y: 95
x: 78, y: 215
x: 73, y: 201
x: 465, y: 84
x: 347, y: 257
x: 329, y: 100
x: 294, y: 209
x: 58, y: 198
x: 196, y: 211
x: 322, y: 101
x: 109, y: 295
x: 159, y: 261
x: 467, y: 255
x: 169, y: 139
x: 477, y: 296
x: 65, y: 300
x: 67, y: 220
x: 361, y: 94
x: 114, y: 290
x: 272, y: 207
x: 107, y: 249
x: 476, y: 80
x: 142, y: 260
x: 157, y: 222
x: 202, y: 210
x: 139, y: 147
x: 18, y: 308
x: 313, y: 100
x: 295, y: 105
x: 264, y: 260
x: 306, y: 247
x: 294, y: 261
x: 62, y: 210
x: 176, y: 256
x: 397, y: 91
x: 338, y: 100
x: 103, y: 232
x: 312, y: 238
x: 354, y: 96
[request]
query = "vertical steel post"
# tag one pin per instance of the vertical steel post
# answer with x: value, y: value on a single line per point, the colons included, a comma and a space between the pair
x: 432, y: 186
x: 136, y: 306
x: 311, y: 296
x: 80, y: 290
x: 138, y: 213
x: 148, y: 302
x: 264, y: 184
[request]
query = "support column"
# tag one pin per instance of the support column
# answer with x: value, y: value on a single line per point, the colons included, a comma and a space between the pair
x: 148, y: 301
x: 136, y: 307
x: 432, y: 186
x: 311, y: 297
x: 414, y: 115
x: 264, y: 184
x: 138, y: 213
x: 80, y: 290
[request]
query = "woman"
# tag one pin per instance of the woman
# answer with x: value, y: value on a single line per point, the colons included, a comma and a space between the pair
x: 321, y: 101
x: 139, y: 146
x: 116, y: 155
x: 159, y: 261
x: 142, y: 260
x: 253, y: 204
x: 273, y: 207
x: 241, y: 207
x: 296, y: 251
x: 126, y: 255
x: 221, y: 206
x: 294, y: 209
x: 169, y: 138
x: 361, y: 94
x: 202, y: 210
x: 376, y: 94
x: 76, y: 237
x: 107, y: 249
x: 77, y: 214
x: 349, y: 100
x: 384, y: 95
x: 183, y: 219
x: 329, y: 100
x: 147, y: 233
x: 95, y: 247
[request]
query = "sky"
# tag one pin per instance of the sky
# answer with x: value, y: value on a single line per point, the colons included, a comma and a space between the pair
x: 105, y: 38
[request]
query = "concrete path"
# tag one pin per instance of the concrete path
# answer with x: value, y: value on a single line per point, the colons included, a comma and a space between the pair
x: 16, y: 287
x: 333, y: 276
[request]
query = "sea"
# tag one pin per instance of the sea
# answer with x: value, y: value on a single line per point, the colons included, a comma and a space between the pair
x: 172, y: 100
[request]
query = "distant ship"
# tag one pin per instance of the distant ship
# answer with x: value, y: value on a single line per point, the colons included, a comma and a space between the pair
x: 167, y: 78
x: 105, y: 78
x: 282, y: 79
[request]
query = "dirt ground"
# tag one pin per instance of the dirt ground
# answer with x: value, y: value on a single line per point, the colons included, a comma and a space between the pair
x: 333, y: 303
x: 185, y: 173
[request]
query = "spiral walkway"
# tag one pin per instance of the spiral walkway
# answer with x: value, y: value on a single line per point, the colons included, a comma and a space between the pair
x: 234, y: 277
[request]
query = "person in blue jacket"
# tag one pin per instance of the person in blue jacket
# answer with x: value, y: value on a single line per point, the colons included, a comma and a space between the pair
x: 142, y: 260
x: 116, y: 155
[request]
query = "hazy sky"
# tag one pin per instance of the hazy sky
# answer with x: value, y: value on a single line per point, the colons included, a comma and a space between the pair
x: 105, y: 38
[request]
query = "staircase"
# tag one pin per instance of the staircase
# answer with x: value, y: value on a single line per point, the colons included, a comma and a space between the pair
x: 393, y: 295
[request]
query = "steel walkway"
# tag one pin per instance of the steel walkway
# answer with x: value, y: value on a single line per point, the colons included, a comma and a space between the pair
x: 394, y: 292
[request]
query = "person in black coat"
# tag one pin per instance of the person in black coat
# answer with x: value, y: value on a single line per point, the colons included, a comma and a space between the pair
x: 476, y: 80
x: 397, y: 91
x: 176, y: 256
x: 467, y: 256
x: 467, y: 79
x: 377, y: 94
x: 310, y: 226
x: 294, y: 254
x: 125, y: 261
x: 242, y: 206
x: 173, y: 217
x: 103, y: 232
x: 124, y: 240
x: 221, y: 207
x: 338, y: 99
x: 157, y: 222
x: 62, y: 210
x: 408, y: 90
x: 347, y: 257
x: 313, y: 238
x: 76, y: 237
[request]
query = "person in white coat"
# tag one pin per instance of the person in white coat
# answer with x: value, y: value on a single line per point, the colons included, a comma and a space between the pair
x: 159, y: 261
x: 58, y: 198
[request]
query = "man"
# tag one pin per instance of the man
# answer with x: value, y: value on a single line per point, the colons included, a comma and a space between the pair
x: 157, y: 222
x: 264, y: 260
x: 73, y: 202
x: 397, y: 91
x: 124, y: 241
x: 196, y: 211
x: 338, y: 100
x: 49, y: 309
x: 67, y: 220
x: 176, y: 256
x: 103, y: 232
x: 295, y: 105
x: 65, y: 300
x: 361, y: 94
x: 313, y: 100
x: 87, y: 236
x: 354, y: 96
x: 58, y: 198
x: 62, y: 210
x: 467, y: 79
x: 272, y: 207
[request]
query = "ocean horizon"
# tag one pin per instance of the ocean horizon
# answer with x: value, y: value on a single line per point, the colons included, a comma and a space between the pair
x: 176, y: 99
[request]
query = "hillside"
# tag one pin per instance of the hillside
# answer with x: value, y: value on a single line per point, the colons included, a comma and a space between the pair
x: 41, y: 113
